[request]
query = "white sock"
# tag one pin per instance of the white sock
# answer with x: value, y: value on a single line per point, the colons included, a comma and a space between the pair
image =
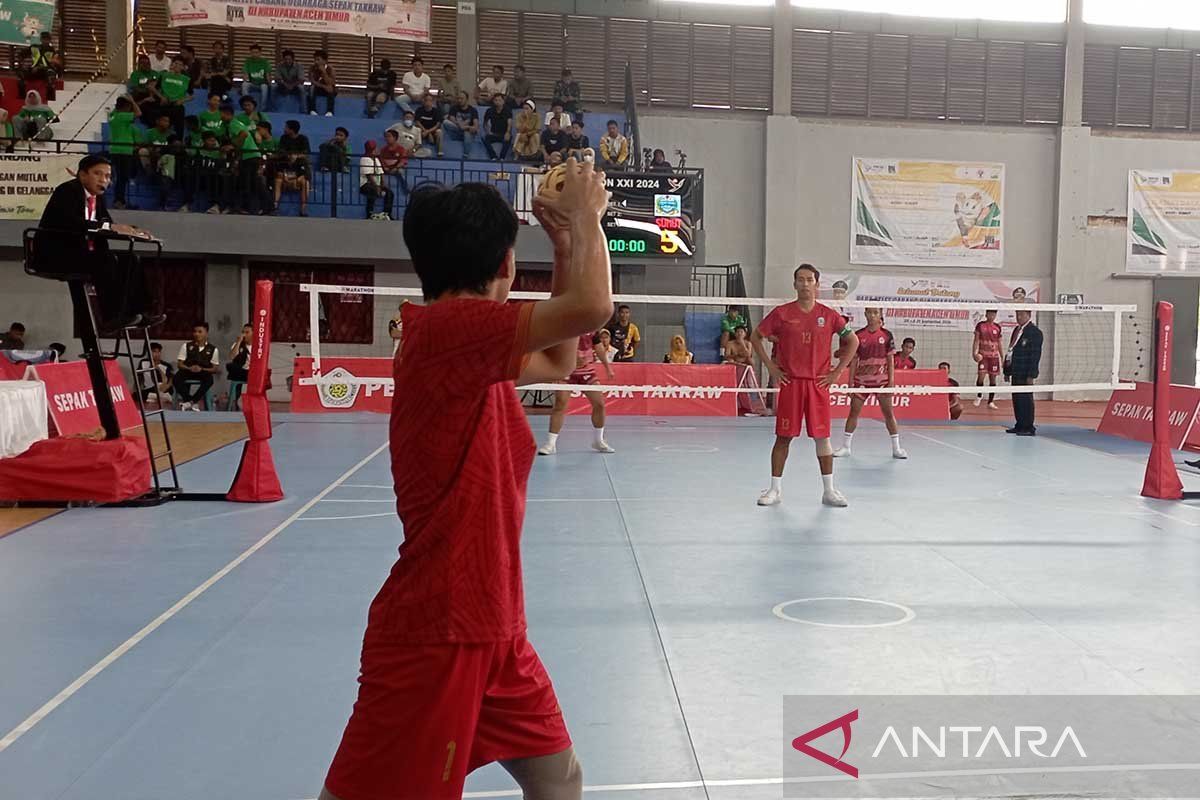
x: 551, y: 439
x: 776, y: 484
x: 599, y: 435
x: 846, y: 441
x: 895, y: 442
x: 827, y: 480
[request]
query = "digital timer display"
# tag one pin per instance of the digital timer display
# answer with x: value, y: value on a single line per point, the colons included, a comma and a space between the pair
x: 653, y: 215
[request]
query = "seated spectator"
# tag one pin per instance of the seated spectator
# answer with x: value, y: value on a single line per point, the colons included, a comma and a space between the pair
x: 8, y: 134
x: 60, y: 350
x: 554, y: 140
x: 462, y: 124
x: 659, y: 163
x: 292, y: 173
x: 289, y: 82
x: 175, y: 88
x: 268, y: 145
x: 210, y: 117
x: 238, y: 368
x: 198, y: 367
x: 738, y: 350
x: 577, y: 142
x: 497, y: 128
x: 449, y: 88
x: 212, y: 175
x: 614, y: 148
x: 218, y: 72
x: 557, y: 112
x: 520, y: 88
x: 370, y: 170
x: 567, y: 93
x: 256, y: 78
x: 250, y: 115
x: 34, y: 118
x: 394, y: 157
x: 679, y: 353
x: 956, y: 407
x: 528, y: 144
x: 124, y: 147
x: 159, y: 136
x: 27, y: 76
x: 295, y: 147
x: 191, y: 65
x: 142, y: 81
x: 497, y: 84
x: 192, y: 132
x: 335, y: 153
x: 625, y: 334
x: 904, y: 359
x: 14, y: 339
x: 159, y: 60
x: 732, y: 320
x: 407, y: 133
x: 417, y: 83
x: 47, y: 62
x: 429, y: 121
x: 324, y: 83
x: 381, y: 88
x: 161, y: 381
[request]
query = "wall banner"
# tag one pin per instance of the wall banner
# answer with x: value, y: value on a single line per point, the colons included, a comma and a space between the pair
x: 23, y: 21
x: 926, y: 213
x: 385, y: 19
x: 884, y: 289
x: 27, y: 181
x: 1162, y: 229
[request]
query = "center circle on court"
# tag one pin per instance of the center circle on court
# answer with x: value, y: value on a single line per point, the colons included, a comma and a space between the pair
x: 686, y: 448
x: 829, y: 612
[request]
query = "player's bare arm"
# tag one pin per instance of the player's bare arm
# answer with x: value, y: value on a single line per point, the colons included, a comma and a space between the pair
x: 602, y: 357
x: 756, y: 341
x: 975, y: 354
x: 847, y: 347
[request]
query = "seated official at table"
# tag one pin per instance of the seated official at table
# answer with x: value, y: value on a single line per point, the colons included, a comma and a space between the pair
x: 63, y: 247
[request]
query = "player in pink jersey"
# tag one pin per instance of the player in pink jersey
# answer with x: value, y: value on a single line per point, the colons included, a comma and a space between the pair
x: 802, y: 332
x: 588, y: 353
x: 872, y: 368
x: 985, y: 349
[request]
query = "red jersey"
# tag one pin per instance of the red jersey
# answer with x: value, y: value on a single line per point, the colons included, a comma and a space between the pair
x: 585, y: 360
x: 989, y: 339
x: 901, y: 361
x: 803, y: 339
x: 874, y: 350
x: 461, y: 451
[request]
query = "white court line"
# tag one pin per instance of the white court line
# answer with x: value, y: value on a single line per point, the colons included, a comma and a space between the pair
x: 339, y: 500
x: 348, y: 516
x: 77, y: 684
x: 878, y: 776
x: 366, y: 486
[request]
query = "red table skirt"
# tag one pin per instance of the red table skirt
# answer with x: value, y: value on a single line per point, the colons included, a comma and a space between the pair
x: 77, y: 469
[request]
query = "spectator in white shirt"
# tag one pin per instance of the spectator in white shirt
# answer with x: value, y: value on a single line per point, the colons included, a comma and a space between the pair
x: 556, y: 112
x: 416, y: 85
x: 159, y: 60
x: 371, y: 171
x: 407, y: 132
x: 490, y: 87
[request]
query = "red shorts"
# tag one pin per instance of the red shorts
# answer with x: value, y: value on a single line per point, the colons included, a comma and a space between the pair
x: 802, y: 402
x: 427, y: 715
x: 990, y: 365
x: 584, y: 376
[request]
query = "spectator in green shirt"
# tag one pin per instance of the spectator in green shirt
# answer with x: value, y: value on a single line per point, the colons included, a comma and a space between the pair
x: 160, y: 134
x: 250, y: 115
x: 256, y: 77
x: 193, y: 134
x: 250, y: 190
x: 34, y: 118
x: 8, y: 137
x: 732, y: 320
x: 175, y: 87
x: 143, y: 81
x: 124, y: 140
x: 210, y: 118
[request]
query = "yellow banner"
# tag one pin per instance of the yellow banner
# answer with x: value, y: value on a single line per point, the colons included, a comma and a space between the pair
x: 27, y: 181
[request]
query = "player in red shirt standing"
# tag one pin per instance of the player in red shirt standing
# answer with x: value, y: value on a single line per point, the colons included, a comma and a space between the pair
x: 802, y: 332
x: 872, y: 368
x: 448, y: 680
x: 588, y: 353
x: 985, y: 349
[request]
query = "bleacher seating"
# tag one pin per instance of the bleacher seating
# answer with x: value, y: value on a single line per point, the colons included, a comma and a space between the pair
x: 351, y: 114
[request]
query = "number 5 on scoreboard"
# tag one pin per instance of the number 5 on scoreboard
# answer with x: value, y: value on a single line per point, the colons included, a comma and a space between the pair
x: 667, y: 243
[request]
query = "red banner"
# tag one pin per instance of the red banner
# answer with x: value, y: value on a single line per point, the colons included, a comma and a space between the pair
x: 906, y: 406
x: 683, y: 392
x: 334, y: 396
x: 1130, y: 414
x: 72, y: 403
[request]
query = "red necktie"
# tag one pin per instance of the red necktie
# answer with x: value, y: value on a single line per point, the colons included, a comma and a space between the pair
x: 91, y: 207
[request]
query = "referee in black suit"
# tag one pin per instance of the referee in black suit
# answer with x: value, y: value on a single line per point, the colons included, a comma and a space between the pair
x: 71, y: 240
x: 1021, y: 366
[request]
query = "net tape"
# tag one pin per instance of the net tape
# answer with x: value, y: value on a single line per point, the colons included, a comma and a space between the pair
x: 314, y: 290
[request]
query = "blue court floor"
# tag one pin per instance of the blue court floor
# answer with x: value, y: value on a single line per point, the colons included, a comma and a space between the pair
x: 209, y: 650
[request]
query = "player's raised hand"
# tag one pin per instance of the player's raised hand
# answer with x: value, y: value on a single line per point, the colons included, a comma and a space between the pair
x: 553, y: 224
x: 583, y: 194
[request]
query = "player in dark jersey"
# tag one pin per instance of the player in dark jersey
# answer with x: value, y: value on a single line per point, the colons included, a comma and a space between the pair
x: 956, y: 408
x: 449, y: 681
x: 589, y: 352
x: 802, y: 332
x: 985, y: 349
x: 872, y: 368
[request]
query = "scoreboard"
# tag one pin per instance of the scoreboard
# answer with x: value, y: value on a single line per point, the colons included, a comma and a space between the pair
x: 653, y: 214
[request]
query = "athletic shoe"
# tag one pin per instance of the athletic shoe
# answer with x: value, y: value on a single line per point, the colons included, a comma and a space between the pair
x: 977, y: 402
x: 547, y: 450
x: 899, y: 452
x: 213, y: 210
x: 602, y: 447
x: 833, y: 497
x: 312, y: 113
x: 993, y: 407
x: 842, y: 452
x: 185, y: 406
x: 329, y: 113
x: 195, y: 407
x: 771, y: 497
